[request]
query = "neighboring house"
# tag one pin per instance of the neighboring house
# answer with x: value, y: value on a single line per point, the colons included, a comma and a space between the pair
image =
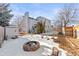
x: 32, y: 23
x: 24, y: 25
x: 11, y: 31
x: 27, y: 23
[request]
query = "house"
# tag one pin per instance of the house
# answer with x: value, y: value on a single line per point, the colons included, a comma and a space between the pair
x: 32, y: 23
x: 24, y: 24
x: 28, y: 23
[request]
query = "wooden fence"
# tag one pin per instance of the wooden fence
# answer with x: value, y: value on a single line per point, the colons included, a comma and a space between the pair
x: 1, y: 35
x: 69, y: 31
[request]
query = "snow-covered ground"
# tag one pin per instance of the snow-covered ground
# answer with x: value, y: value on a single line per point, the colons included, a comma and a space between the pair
x: 14, y: 47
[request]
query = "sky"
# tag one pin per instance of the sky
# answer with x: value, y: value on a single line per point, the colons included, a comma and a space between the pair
x: 48, y: 10
x: 36, y: 9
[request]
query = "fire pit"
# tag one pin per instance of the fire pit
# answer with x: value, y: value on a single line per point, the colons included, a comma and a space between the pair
x: 31, y: 46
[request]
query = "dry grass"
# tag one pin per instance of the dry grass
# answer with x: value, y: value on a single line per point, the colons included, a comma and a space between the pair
x: 69, y: 44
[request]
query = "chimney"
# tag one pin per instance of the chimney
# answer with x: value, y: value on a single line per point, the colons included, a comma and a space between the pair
x: 27, y: 14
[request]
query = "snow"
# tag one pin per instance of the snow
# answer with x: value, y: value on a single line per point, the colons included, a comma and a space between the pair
x: 14, y: 47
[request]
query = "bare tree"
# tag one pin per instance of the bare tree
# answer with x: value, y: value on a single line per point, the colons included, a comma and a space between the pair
x: 67, y: 14
x: 58, y: 26
x: 19, y: 22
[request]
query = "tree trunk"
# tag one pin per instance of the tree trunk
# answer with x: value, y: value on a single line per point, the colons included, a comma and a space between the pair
x: 44, y: 25
x: 5, y: 38
x: 61, y: 27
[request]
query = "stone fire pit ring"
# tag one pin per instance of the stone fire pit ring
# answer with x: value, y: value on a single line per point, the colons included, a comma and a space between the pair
x: 31, y: 46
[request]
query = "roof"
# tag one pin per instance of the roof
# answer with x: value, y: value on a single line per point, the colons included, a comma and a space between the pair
x: 32, y: 18
x: 42, y: 17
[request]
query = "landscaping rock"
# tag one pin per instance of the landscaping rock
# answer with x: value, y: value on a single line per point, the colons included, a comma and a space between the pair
x: 55, y: 51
